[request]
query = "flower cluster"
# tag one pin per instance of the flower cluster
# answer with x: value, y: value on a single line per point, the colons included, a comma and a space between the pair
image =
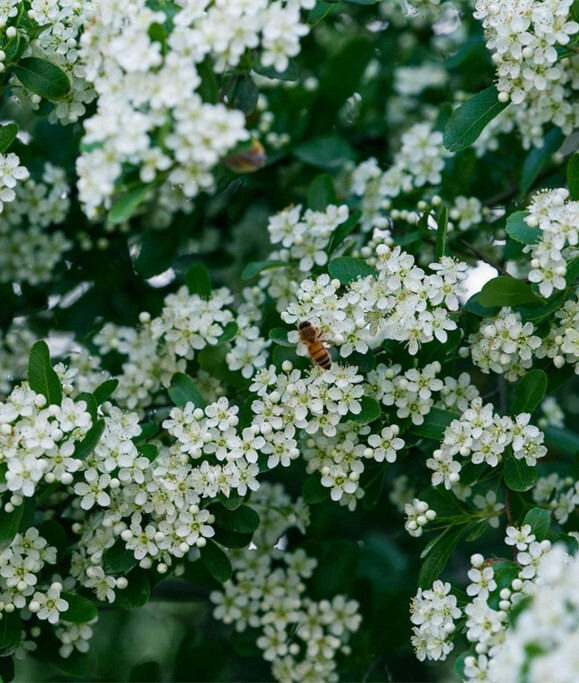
x: 434, y: 612
x: 562, y: 342
x: 482, y: 435
x: 557, y: 218
x: 31, y: 254
x: 400, y: 303
x: 418, y: 514
x: 148, y: 91
x: 299, y: 636
x: 504, y: 344
x: 419, y: 162
x: 303, y: 241
x: 558, y: 494
x: 10, y: 174
x: 525, y: 40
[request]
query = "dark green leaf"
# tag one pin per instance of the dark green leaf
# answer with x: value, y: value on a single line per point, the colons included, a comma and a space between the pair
x: 507, y: 291
x: 253, y: 269
x: 572, y: 271
x: 290, y: 74
x: 10, y: 632
x: 313, y: 491
x: 434, y: 425
x: 148, y: 431
x: 363, y: 361
x: 438, y: 556
x: 232, y: 539
x: 244, y: 520
x: 147, y: 672
x: 198, y: 280
x: 505, y: 573
x: 184, y: 390
x: 477, y: 530
x: 573, y: 176
x: 371, y: 410
x: 519, y: 476
x: 156, y: 253
x: 540, y: 521
x: 208, y: 88
x: 245, y: 95
x: 441, y: 232
x: 336, y: 571
x: 343, y: 230
x: 41, y: 375
x: 216, y: 562
x: 85, y: 447
x: 538, y: 157
x: 118, y: 560
x: 9, y: 524
x: 471, y: 118
x: 91, y: 404
x: 321, y: 192
x: 76, y: 664
x: 346, y: 269
x: 330, y: 152
x: 474, y: 306
x: 124, y: 208
x: 518, y: 229
x: 231, y: 502
x: 42, y: 77
x: 530, y: 391
x: 7, y: 135
x: 372, y: 489
x: 137, y: 593
x: 148, y: 450
x: 54, y: 533
x: 563, y: 440
x: 80, y: 610
x: 105, y: 390
x: 279, y: 336
x: 459, y: 663
x: 7, y: 668
x: 229, y: 332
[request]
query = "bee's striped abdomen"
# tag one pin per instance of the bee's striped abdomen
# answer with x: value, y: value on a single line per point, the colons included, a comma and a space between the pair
x: 320, y: 355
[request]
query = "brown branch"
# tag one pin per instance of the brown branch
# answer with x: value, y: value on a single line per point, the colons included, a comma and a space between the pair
x: 485, y: 258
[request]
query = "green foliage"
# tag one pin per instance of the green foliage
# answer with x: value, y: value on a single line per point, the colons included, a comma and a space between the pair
x: 80, y: 610
x: 573, y: 176
x: 126, y: 206
x: 346, y: 269
x: 41, y: 376
x: 530, y: 391
x: 198, y: 280
x: 519, y: 476
x: 42, y: 77
x: 438, y: 555
x: 507, y: 291
x: 216, y: 561
x: 8, y: 133
x: 471, y: 118
x: 184, y: 390
x: 540, y: 521
x: 519, y: 230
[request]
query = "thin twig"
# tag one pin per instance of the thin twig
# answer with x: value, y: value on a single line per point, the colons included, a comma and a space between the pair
x: 485, y: 258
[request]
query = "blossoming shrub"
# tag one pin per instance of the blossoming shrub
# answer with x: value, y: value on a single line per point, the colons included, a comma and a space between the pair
x: 183, y: 474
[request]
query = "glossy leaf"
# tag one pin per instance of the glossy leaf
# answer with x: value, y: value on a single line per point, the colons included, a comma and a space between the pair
x: 573, y: 176
x: 80, y: 610
x: 7, y: 135
x: 519, y: 476
x: 198, y: 280
x: 518, y: 229
x: 540, y: 521
x: 216, y: 562
x: 184, y: 390
x: 507, y: 291
x: 530, y: 391
x: 321, y: 192
x: 346, y: 269
x: 42, y: 77
x: 438, y: 556
x: 41, y: 375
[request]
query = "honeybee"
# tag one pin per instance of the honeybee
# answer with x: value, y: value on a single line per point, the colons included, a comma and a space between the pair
x: 312, y: 337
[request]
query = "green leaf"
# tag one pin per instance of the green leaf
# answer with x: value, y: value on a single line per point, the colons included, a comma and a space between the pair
x: 9, y: 524
x: 80, y: 610
x: 459, y: 663
x: 253, y: 269
x: 198, y: 280
x: 519, y: 476
x: 137, y: 592
x: 540, y: 521
x: 434, y: 425
x: 507, y: 291
x: 41, y: 375
x: 216, y: 562
x: 321, y: 192
x: 231, y: 502
x: 10, y: 632
x: 343, y: 230
x: 245, y: 95
x: 471, y: 118
x: 372, y: 489
x: 147, y: 672
x: 572, y: 271
x: 85, y: 447
x: 505, y: 573
x: 232, y: 539
x: 279, y: 336
x: 473, y: 305
x: 518, y: 229
x: 442, y: 222
x: 330, y: 152
x: 156, y: 254
x: 313, y: 491
x: 477, y: 530
x: 573, y: 176
x: 184, y: 390
x: 371, y: 410
x: 148, y: 431
x: 7, y: 672
x: 563, y: 440
x: 148, y: 450
x: 7, y: 135
x: 208, y: 89
x: 76, y: 664
x: 229, y: 332
x: 244, y: 520
x: 117, y: 559
x: 336, y: 570
x: 42, y: 77
x: 105, y: 390
x: 91, y: 404
x: 124, y: 208
x: 530, y: 391
x: 347, y: 269
x: 54, y: 533
x: 438, y: 556
x: 537, y: 158
x: 290, y: 74
x: 342, y: 74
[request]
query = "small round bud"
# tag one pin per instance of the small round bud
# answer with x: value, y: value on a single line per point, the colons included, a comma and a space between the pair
x: 121, y: 583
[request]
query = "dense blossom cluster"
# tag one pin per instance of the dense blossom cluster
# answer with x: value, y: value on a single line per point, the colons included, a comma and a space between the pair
x: 299, y: 636
x: 401, y: 302
x: 557, y: 494
x: 483, y: 436
x: 524, y: 38
x: 10, y: 173
x: 31, y: 255
x: 557, y: 218
x: 505, y: 345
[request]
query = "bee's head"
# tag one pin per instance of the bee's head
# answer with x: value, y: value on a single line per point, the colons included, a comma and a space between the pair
x: 304, y: 324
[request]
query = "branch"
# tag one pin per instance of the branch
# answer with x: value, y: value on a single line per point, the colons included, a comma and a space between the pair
x: 485, y: 258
